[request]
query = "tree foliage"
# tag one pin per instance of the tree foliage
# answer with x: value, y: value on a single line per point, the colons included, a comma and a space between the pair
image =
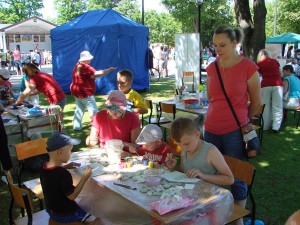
x: 12, y: 11
x: 69, y: 9
x: 288, y: 16
x: 213, y: 14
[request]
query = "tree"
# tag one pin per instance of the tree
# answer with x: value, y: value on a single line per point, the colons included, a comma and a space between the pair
x: 254, y: 29
x: 130, y: 9
x: 162, y: 26
x: 69, y: 9
x: 12, y: 11
x: 288, y: 16
x: 213, y: 14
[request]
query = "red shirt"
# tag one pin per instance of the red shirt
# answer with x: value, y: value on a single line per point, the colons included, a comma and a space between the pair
x: 219, y: 119
x: 270, y: 72
x: 158, y: 155
x: 46, y: 84
x: 83, y: 85
x: 114, y: 129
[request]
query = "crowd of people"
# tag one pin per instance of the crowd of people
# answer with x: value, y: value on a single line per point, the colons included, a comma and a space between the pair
x: 202, y: 159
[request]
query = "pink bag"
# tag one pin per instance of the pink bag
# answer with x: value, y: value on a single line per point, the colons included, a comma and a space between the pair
x: 169, y: 204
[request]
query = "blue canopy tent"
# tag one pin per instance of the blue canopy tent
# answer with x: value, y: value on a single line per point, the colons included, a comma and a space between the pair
x: 284, y: 39
x: 112, y: 39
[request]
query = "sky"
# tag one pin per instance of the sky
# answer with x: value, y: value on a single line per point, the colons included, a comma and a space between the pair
x: 50, y: 12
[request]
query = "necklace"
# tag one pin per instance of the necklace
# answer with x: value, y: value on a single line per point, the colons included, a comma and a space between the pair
x: 226, y: 67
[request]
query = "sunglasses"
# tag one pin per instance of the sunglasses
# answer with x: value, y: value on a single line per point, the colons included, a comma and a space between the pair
x: 115, y: 108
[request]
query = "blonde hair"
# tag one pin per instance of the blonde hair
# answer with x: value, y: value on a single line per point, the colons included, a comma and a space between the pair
x: 261, y: 53
x: 182, y: 126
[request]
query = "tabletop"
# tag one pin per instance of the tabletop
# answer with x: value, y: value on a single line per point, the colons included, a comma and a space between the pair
x: 45, y: 123
x: 120, y: 205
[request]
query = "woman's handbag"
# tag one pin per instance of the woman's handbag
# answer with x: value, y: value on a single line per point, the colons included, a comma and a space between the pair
x: 249, y: 135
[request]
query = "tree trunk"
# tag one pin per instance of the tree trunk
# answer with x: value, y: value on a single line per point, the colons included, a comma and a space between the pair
x: 255, y: 35
x: 259, y: 34
x: 244, y: 20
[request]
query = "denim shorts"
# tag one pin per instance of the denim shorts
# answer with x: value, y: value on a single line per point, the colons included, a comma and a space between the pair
x: 231, y: 144
x: 77, y: 216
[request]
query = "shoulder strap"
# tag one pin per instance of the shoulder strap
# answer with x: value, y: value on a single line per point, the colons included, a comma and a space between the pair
x: 226, y: 96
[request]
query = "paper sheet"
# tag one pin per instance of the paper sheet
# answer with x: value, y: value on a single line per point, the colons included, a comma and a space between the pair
x: 179, y: 177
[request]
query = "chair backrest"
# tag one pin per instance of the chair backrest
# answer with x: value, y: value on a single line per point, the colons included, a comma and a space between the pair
x: 241, y: 169
x: 20, y: 197
x: 188, y: 77
x: 167, y: 108
x: 149, y: 105
x: 294, y: 219
x: 31, y: 148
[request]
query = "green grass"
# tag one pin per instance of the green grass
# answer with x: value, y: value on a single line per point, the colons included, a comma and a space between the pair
x: 277, y: 180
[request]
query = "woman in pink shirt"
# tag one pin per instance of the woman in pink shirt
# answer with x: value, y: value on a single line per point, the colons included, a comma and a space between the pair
x: 240, y: 79
x: 114, y: 123
x: 271, y: 90
x: 44, y: 83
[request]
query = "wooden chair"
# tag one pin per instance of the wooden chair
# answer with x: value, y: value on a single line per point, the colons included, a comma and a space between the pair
x: 188, y: 78
x: 152, y: 119
x: 162, y: 121
x: 258, y: 122
x: 296, y: 112
x: 27, y: 150
x: 245, y: 172
x: 294, y: 219
x: 21, y: 197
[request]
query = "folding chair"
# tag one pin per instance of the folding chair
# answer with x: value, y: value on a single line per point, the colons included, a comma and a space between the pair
x: 21, y: 198
x: 258, y: 122
x: 245, y: 172
x: 27, y: 150
x: 162, y: 121
x: 188, y: 79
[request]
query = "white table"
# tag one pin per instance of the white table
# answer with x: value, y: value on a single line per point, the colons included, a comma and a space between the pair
x: 118, y: 205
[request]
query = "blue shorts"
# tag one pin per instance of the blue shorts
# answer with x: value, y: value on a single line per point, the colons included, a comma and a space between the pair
x: 231, y: 144
x: 79, y: 215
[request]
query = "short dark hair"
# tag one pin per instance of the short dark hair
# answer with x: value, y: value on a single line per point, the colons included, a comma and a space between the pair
x: 182, y: 126
x: 126, y: 73
x: 288, y: 67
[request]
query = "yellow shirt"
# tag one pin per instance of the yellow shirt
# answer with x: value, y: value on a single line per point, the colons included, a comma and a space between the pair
x: 135, y: 99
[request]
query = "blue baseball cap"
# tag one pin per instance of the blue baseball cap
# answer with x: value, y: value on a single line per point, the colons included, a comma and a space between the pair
x: 59, y: 140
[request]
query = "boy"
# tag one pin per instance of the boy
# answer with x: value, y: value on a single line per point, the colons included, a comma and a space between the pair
x: 199, y: 159
x: 57, y: 182
x: 135, y: 102
x: 153, y: 148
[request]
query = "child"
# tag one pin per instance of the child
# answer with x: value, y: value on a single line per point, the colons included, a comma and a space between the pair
x: 6, y: 94
x: 199, y: 159
x: 153, y: 148
x: 135, y: 102
x: 57, y: 182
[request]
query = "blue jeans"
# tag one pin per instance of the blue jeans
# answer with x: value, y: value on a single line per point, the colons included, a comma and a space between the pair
x: 231, y: 144
x: 79, y: 215
x: 88, y: 103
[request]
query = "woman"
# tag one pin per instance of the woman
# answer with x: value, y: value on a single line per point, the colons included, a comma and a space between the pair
x: 271, y: 90
x: 241, y: 80
x: 44, y: 83
x: 83, y: 87
x: 114, y: 123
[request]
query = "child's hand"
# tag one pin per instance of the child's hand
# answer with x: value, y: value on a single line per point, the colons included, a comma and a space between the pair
x: 71, y: 165
x: 170, y: 161
x: 194, y: 173
x: 132, y: 149
x: 87, y: 172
